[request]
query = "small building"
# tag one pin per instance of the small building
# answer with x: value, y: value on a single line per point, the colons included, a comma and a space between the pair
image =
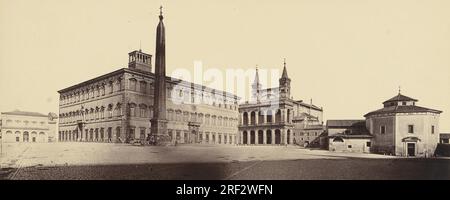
x: 402, y: 128
x: 348, y: 136
x: 22, y: 126
x: 308, y: 130
x: 444, y: 138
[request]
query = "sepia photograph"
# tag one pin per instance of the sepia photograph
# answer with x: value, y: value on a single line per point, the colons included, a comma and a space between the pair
x: 224, y: 90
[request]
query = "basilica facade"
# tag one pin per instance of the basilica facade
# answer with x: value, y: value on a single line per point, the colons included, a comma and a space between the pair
x: 273, y: 117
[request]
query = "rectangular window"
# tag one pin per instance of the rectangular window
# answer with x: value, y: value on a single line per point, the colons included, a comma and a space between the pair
x: 432, y: 129
x: 410, y: 128
x: 383, y: 129
x: 368, y: 144
x: 349, y: 146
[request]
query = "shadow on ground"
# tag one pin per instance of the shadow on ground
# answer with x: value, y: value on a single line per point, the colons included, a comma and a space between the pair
x: 322, y: 169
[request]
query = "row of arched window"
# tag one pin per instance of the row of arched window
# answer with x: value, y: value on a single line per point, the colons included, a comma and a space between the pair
x: 26, y: 132
x: 260, y: 117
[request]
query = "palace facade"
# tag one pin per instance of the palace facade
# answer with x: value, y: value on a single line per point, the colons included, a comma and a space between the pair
x: 272, y: 117
x: 118, y: 107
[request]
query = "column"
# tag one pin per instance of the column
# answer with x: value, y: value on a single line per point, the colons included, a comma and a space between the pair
x: 273, y: 136
x: 256, y: 136
x: 232, y: 139
x: 256, y: 117
x: 284, y: 136
x: 248, y: 137
x: 242, y: 118
x: 291, y: 137
x: 264, y: 137
x: 241, y: 137
x: 264, y: 117
x: 182, y: 137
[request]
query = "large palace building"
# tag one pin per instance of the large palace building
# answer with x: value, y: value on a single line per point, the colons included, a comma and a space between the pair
x: 118, y: 107
x: 272, y: 117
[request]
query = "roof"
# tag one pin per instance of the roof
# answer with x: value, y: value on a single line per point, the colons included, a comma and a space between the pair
x: 24, y: 113
x: 346, y: 123
x: 400, y: 97
x: 313, y: 126
x: 402, y: 109
x: 303, y: 115
x: 444, y: 135
x: 351, y: 136
x: 151, y: 75
x: 312, y: 106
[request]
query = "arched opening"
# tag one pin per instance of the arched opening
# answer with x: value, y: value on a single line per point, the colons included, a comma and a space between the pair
x: 244, y: 137
x: 277, y: 136
x: 33, y: 136
x: 338, y: 139
x: 278, y: 116
x: 245, y: 118
x: 269, y: 137
x: 260, y: 137
x: 91, y: 135
x: 26, y: 136
x: 102, y: 134
x: 269, y: 116
x: 253, y: 118
x: 288, y: 135
x: 260, y: 117
x: 288, y: 117
x: 96, y: 134
x: 109, y: 134
x: 252, y: 137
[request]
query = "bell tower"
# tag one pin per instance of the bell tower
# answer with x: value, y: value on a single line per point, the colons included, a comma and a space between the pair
x: 285, y: 84
x: 256, y: 88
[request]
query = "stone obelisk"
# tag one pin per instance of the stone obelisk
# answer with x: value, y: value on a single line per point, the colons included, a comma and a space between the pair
x: 159, y: 122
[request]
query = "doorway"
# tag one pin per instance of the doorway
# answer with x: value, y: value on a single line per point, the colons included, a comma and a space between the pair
x: 411, y: 149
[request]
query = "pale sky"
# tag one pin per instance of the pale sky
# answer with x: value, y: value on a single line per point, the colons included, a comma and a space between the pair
x: 348, y: 56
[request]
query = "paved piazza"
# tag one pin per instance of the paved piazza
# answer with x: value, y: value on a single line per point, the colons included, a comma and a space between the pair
x: 122, y: 161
